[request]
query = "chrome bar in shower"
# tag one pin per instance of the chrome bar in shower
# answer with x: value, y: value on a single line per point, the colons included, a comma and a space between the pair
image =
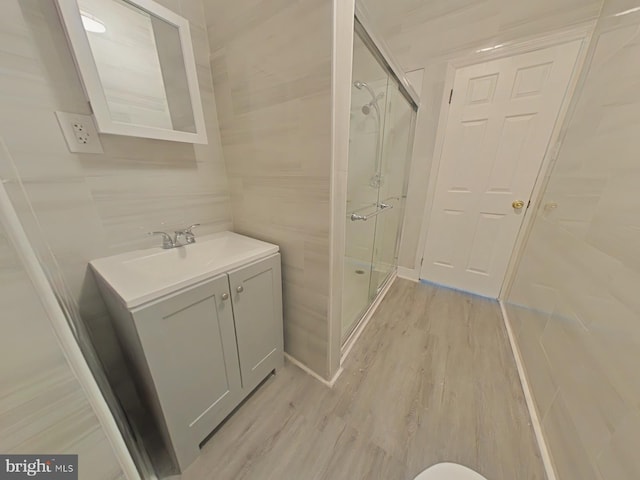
x: 383, y: 206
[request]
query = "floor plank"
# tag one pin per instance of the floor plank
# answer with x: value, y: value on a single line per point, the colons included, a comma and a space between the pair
x: 431, y: 379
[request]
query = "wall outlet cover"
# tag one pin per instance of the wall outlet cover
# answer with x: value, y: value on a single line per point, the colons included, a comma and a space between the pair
x: 80, y: 132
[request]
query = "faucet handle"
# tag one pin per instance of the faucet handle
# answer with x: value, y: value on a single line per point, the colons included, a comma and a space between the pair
x: 167, y: 241
x: 188, y: 234
x: 190, y: 229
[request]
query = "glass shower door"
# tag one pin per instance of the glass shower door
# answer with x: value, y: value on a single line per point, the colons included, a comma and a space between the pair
x: 365, y: 146
x: 392, y: 180
x: 380, y: 139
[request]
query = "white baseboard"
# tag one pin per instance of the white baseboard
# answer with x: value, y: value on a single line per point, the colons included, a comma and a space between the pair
x: 351, y: 340
x: 409, y: 274
x: 526, y: 387
x: 302, y: 366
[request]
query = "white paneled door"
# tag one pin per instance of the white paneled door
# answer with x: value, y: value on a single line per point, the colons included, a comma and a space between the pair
x: 500, y: 120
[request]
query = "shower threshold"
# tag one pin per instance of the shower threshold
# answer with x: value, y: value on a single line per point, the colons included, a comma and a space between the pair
x: 359, y: 325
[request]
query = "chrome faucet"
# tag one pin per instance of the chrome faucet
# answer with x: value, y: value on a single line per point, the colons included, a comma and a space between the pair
x: 173, y: 242
x: 187, y: 233
x: 167, y: 241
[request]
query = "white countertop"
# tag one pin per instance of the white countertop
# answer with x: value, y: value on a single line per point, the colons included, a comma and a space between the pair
x: 144, y: 275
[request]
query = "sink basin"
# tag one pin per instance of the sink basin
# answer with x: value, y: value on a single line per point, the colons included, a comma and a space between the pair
x: 141, y: 276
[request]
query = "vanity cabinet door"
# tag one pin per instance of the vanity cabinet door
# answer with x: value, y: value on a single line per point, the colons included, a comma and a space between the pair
x: 256, y: 290
x: 189, y: 343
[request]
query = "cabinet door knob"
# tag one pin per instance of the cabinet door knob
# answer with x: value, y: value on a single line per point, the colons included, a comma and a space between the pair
x: 225, y: 296
x: 240, y: 289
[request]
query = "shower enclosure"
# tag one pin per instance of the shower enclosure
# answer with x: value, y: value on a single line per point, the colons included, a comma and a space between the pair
x: 380, y: 139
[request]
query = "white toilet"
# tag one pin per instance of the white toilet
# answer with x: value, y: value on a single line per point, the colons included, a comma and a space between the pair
x: 449, y: 471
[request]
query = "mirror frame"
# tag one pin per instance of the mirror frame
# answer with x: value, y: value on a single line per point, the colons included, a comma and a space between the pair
x: 86, y: 65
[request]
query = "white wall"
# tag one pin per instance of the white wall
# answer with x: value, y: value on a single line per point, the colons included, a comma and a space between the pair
x: 43, y: 408
x: 429, y: 34
x: 579, y: 277
x: 88, y: 206
x: 271, y: 64
x: 76, y: 207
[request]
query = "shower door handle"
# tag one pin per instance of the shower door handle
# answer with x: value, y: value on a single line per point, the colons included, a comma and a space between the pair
x: 383, y: 206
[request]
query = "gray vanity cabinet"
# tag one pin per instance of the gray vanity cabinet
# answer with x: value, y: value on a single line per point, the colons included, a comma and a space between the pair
x: 189, y: 346
x: 198, y: 352
x: 257, y: 307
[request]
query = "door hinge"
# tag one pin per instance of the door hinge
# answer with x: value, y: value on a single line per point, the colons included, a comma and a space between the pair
x: 421, y: 261
x: 528, y: 203
x: 450, y: 96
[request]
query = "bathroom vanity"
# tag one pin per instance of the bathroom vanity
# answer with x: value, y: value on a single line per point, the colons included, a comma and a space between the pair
x: 201, y: 326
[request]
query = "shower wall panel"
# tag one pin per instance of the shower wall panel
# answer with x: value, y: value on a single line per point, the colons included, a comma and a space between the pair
x: 574, y: 304
x: 44, y: 407
x: 271, y: 66
x: 76, y: 207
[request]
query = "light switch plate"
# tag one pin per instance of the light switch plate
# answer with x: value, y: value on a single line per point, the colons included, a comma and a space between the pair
x: 80, y: 132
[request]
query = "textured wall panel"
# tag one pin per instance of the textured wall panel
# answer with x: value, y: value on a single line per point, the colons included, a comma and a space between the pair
x: 574, y: 303
x: 271, y: 64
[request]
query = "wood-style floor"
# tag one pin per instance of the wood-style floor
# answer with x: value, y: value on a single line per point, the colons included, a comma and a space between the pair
x: 431, y: 379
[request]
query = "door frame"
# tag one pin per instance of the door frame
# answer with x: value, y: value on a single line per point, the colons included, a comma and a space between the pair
x: 582, y: 33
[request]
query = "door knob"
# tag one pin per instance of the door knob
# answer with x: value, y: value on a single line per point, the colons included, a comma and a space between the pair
x: 225, y: 296
x: 517, y: 204
x: 240, y: 289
